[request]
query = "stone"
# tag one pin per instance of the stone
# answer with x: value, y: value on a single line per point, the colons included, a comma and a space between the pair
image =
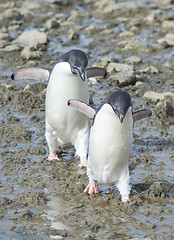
x: 154, y: 96
x: 122, y: 73
x: 164, y: 111
x: 51, y: 23
x: 126, y: 34
x: 31, y: 38
x: 28, y: 54
x: 168, y: 24
x: 150, y: 69
x: 4, y: 36
x: 72, y: 36
x: 168, y: 38
x: 154, y: 16
x: 134, y: 59
x: 11, y: 48
x: 142, y: 41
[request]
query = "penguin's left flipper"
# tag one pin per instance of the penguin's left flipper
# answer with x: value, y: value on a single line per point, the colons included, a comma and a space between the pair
x: 31, y: 73
x: 144, y: 113
x: 82, y: 107
x: 96, y: 72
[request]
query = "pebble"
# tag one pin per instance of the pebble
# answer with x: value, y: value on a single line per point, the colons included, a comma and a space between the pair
x: 168, y: 24
x: 27, y: 53
x: 126, y: 34
x: 154, y: 16
x: 122, y: 73
x: 73, y: 36
x: 31, y: 38
x: 154, y: 96
x: 51, y: 23
x: 134, y: 59
x: 168, y: 38
x: 150, y: 69
x: 163, y: 110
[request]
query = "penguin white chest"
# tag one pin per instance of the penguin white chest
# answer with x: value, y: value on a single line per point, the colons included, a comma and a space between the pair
x: 62, y: 86
x: 109, y: 145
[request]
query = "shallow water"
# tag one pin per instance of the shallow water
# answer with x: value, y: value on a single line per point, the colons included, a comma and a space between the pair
x: 45, y: 200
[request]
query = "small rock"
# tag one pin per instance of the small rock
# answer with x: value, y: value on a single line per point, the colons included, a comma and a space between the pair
x: 7, y: 86
x: 143, y: 40
x: 168, y: 24
x: 169, y: 39
x: 28, y: 54
x: 150, y: 69
x: 91, y: 29
x: 154, y: 96
x: 141, y: 88
x: 134, y: 59
x: 4, y: 36
x: 51, y: 23
x: 31, y: 38
x: 103, y: 61
x: 126, y: 34
x: 164, y: 2
x: 123, y: 73
x: 154, y: 16
x: 72, y: 36
x: 10, y: 48
x: 163, y: 111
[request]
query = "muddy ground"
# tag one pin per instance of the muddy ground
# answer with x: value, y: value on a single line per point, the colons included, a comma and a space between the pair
x: 45, y: 200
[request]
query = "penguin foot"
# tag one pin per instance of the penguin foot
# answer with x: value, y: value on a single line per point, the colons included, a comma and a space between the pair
x: 92, y: 187
x: 83, y: 162
x: 125, y: 199
x: 53, y: 156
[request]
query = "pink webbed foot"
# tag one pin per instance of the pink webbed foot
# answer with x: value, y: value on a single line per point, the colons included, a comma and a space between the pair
x: 53, y: 156
x: 125, y: 199
x: 83, y: 162
x: 92, y: 187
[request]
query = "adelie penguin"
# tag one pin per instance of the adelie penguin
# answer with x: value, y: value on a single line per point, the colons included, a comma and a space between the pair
x: 67, y: 79
x: 110, y: 141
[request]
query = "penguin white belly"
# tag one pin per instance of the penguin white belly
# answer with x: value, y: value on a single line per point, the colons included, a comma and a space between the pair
x: 109, y: 145
x: 62, y: 121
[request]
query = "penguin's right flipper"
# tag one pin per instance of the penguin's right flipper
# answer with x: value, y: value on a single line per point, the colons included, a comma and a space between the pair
x: 82, y: 107
x: 144, y: 113
x: 31, y: 73
x: 96, y: 72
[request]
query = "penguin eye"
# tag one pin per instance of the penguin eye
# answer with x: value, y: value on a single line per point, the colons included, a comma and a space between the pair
x: 73, y: 70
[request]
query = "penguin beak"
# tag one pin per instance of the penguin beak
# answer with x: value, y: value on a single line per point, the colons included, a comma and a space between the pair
x: 121, y: 117
x: 81, y: 72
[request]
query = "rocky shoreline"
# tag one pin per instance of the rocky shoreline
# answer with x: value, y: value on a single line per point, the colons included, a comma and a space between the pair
x: 134, y: 41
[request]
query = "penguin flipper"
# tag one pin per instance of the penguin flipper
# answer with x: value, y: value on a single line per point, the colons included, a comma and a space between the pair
x: 31, y: 73
x: 140, y: 114
x: 96, y: 72
x: 82, y: 107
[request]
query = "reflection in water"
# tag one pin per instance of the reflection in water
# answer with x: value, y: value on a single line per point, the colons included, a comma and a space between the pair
x: 57, y: 207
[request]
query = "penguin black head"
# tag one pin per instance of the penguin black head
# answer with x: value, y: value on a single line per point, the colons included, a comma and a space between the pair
x: 78, y: 62
x: 120, y: 102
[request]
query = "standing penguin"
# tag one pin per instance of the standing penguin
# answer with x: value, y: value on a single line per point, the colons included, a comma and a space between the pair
x: 110, y: 141
x: 67, y: 80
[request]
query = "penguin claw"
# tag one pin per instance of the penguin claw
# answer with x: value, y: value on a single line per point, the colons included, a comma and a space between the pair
x: 92, y: 187
x: 125, y: 199
x: 53, y: 156
x: 83, y: 162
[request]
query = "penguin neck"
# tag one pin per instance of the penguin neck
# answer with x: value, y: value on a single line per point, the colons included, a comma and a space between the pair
x: 110, y: 122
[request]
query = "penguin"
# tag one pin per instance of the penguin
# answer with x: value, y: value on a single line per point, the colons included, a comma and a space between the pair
x: 67, y: 79
x: 110, y: 141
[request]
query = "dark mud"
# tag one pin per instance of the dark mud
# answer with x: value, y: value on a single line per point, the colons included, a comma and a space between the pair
x: 45, y: 200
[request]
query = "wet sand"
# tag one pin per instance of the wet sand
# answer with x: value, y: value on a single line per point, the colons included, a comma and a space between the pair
x: 134, y: 41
